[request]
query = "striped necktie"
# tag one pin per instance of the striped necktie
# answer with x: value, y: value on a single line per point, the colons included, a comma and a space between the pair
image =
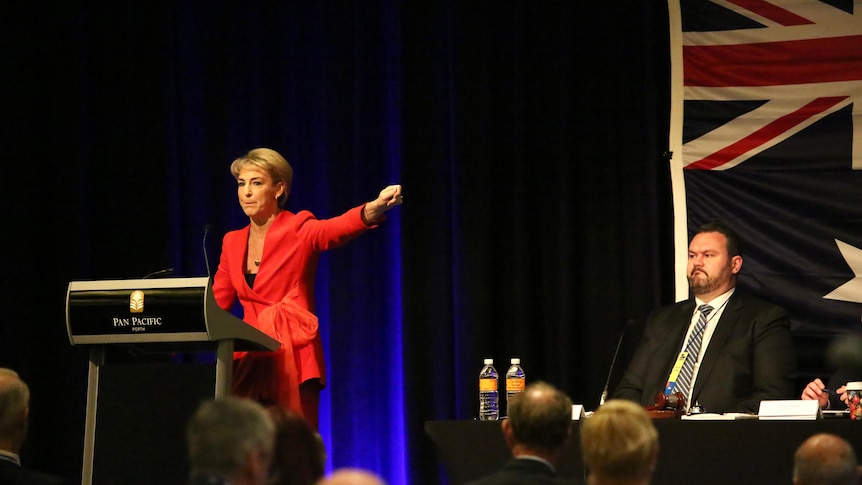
x: 693, y: 348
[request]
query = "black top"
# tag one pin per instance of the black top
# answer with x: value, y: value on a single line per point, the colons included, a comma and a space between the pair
x: 12, y: 474
x: 206, y: 480
x: 524, y: 471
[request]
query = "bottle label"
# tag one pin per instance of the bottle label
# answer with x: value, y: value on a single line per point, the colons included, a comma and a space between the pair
x: 487, y: 384
x: 516, y: 384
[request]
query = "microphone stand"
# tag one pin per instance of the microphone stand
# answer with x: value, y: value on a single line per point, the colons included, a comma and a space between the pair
x: 604, y: 396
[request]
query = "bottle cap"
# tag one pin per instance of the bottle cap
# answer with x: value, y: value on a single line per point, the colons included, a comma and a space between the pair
x: 489, y: 361
x: 516, y: 361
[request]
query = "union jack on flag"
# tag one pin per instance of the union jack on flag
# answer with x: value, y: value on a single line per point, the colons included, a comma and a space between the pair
x: 766, y: 133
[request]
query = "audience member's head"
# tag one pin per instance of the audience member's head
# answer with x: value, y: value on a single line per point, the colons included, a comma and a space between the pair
x: 539, y: 422
x: 619, y: 444
x: 825, y: 459
x: 231, y: 438
x: 14, y: 411
x: 299, y: 454
x: 352, y: 476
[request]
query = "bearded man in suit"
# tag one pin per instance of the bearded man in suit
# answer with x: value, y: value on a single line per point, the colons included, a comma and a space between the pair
x: 744, y: 354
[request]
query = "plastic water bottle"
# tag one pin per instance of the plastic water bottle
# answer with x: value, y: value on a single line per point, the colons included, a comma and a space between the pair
x: 516, y: 380
x: 489, y: 405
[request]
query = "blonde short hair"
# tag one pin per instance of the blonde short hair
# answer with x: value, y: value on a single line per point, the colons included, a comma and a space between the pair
x: 619, y: 441
x: 271, y: 162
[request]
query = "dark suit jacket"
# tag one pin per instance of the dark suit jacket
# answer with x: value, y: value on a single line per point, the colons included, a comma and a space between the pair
x: 750, y: 356
x: 524, y: 471
x: 12, y: 474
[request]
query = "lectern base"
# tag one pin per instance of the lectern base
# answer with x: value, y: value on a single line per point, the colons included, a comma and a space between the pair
x: 141, y: 409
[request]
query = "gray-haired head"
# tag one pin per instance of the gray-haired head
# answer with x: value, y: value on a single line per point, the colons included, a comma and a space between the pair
x: 222, y: 433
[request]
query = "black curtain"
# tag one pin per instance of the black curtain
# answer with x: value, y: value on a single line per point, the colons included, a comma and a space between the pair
x: 530, y: 139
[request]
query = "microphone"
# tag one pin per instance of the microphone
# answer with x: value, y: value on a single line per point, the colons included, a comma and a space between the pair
x: 629, y: 323
x: 204, y: 243
x: 160, y: 272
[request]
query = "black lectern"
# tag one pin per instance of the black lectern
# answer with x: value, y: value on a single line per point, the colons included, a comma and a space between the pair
x: 158, y: 347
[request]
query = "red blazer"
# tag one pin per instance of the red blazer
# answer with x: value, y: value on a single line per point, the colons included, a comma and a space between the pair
x: 287, y: 267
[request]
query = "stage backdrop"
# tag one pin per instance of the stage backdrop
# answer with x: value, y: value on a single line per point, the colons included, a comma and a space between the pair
x: 528, y: 136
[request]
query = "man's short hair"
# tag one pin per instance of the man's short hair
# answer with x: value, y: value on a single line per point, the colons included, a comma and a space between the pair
x: 619, y: 441
x: 223, y: 431
x: 541, y: 416
x: 14, y: 400
x: 825, y: 459
x: 734, y: 246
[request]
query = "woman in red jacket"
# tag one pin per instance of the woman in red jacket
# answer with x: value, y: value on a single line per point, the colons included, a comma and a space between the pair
x: 269, y: 266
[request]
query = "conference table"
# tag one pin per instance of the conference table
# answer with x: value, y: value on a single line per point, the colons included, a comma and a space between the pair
x: 701, y: 452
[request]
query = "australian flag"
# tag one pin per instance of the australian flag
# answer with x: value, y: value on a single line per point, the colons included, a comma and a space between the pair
x: 771, y: 141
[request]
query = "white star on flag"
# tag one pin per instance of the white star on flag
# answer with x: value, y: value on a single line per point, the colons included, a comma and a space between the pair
x: 852, y: 290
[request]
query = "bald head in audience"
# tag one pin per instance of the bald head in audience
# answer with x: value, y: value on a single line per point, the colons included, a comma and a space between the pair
x: 14, y: 411
x: 352, y: 476
x: 825, y: 459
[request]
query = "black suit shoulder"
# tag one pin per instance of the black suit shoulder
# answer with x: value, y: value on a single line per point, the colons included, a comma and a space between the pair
x: 524, y: 471
x: 762, y: 317
x: 740, y: 301
x: 13, y: 475
x: 680, y: 307
x: 747, y: 301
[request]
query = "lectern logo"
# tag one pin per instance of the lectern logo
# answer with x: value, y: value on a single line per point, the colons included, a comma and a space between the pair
x: 136, y: 302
